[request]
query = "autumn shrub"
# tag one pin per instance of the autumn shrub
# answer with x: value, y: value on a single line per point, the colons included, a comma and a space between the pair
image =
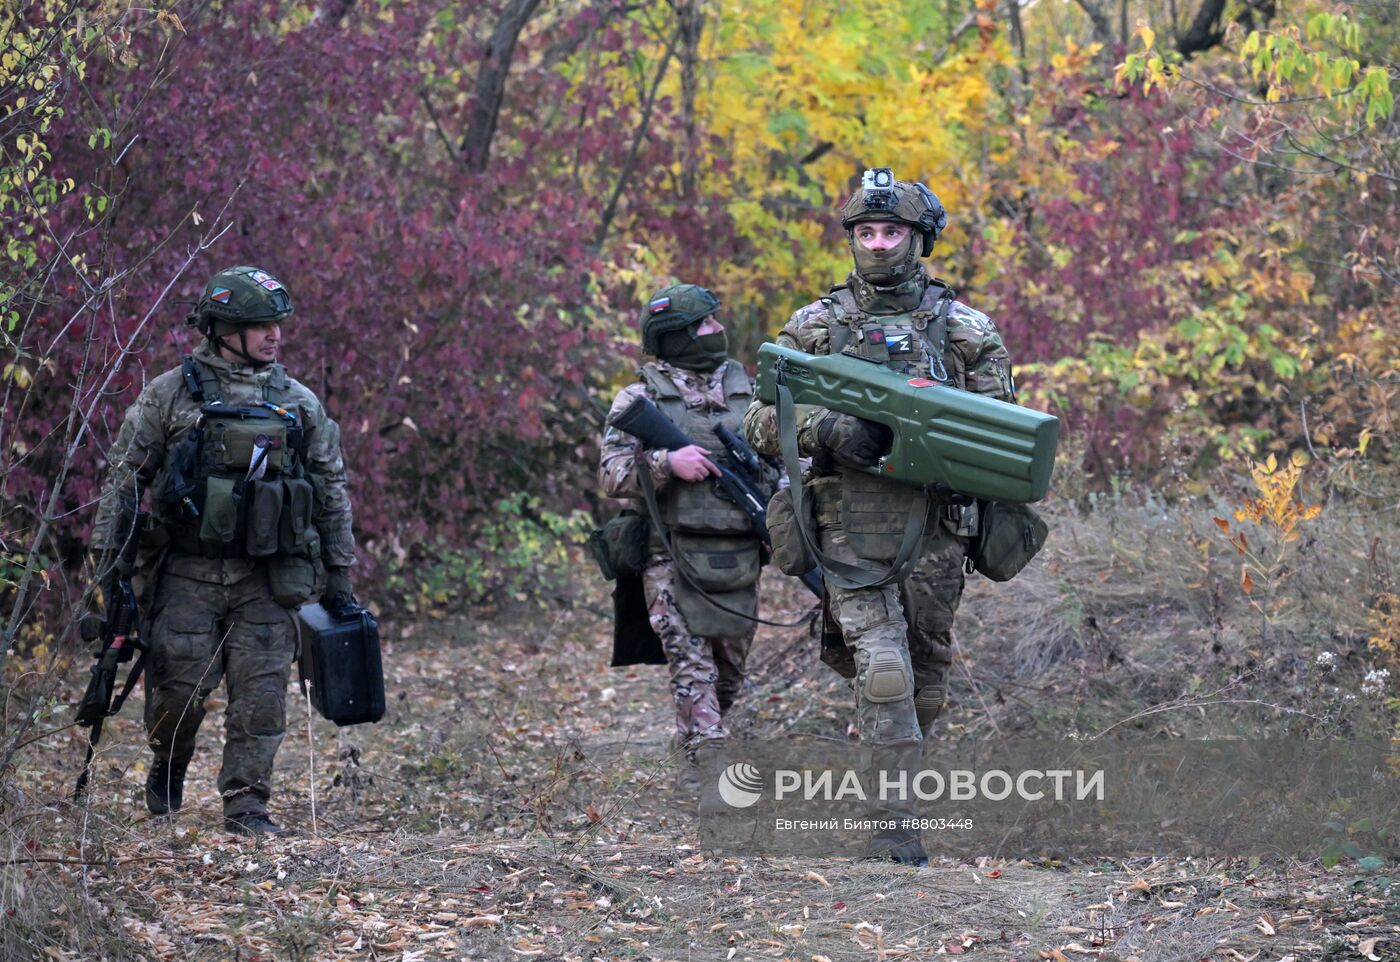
x: 518, y: 553
x: 453, y: 319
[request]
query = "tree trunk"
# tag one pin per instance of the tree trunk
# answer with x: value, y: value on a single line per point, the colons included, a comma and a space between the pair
x: 491, y: 82
x: 1103, y: 30
x: 690, y: 26
x: 1205, y: 31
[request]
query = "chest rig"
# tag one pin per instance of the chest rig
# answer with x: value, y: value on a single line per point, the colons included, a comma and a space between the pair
x: 711, y: 541
x: 237, y: 477
x: 912, y: 342
x: 698, y: 508
x: 877, y: 513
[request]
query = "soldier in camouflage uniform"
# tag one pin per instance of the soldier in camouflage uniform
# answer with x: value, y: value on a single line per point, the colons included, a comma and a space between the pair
x: 698, y: 387
x: 249, y: 488
x: 901, y: 633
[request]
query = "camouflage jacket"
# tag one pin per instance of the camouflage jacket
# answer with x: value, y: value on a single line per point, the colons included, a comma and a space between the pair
x: 976, y: 360
x: 617, y: 468
x: 164, y: 413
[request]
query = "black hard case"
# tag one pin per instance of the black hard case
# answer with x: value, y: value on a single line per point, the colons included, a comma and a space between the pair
x: 340, y: 661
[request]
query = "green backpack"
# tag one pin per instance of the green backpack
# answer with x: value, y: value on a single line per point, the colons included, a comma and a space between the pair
x: 1010, y: 535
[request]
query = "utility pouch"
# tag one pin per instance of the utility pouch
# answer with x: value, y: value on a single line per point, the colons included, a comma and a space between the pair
x: 717, y: 564
x: 874, y: 512
x: 620, y: 546
x: 705, y: 619
x: 244, y: 437
x: 264, y: 517
x: 790, y: 552
x: 222, y: 499
x: 294, y: 527
x: 1010, y: 536
x: 292, y: 577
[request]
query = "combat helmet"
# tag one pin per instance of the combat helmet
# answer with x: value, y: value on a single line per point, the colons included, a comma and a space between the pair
x: 239, y: 296
x: 674, y: 309
x: 881, y: 197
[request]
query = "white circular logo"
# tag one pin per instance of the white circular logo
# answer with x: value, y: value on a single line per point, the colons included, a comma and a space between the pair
x: 740, y: 785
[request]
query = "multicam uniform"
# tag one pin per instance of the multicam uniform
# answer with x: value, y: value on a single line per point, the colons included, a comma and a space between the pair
x: 212, y: 612
x: 707, y: 670
x: 902, y: 634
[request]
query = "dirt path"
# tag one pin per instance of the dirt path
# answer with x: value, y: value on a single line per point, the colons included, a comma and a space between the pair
x: 519, y: 802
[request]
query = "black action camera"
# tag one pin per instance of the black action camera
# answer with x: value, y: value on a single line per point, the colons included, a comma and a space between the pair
x: 877, y: 186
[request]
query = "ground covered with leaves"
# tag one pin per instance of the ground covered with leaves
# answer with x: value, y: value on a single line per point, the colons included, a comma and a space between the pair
x: 520, y: 801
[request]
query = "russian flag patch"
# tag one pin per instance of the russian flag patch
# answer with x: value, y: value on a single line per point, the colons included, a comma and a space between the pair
x: 221, y: 294
x: 659, y: 304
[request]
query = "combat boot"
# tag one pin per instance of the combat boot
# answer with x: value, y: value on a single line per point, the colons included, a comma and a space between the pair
x: 252, y: 823
x: 165, y: 786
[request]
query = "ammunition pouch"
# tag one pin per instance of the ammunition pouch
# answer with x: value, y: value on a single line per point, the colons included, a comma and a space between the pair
x: 790, y: 552
x: 222, y: 501
x: 874, y: 512
x: 620, y: 546
x: 1009, y: 536
x: 292, y: 577
x: 294, y: 530
x: 265, y: 506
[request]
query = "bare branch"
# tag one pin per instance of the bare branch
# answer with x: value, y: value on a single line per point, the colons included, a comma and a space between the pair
x: 642, y: 126
x: 491, y: 82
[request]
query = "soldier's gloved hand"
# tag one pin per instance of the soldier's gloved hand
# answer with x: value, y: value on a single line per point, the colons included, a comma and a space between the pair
x: 852, y: 440
x: 339, y: 592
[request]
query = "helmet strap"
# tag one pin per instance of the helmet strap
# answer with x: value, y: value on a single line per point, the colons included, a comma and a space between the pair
x: 241, y: 351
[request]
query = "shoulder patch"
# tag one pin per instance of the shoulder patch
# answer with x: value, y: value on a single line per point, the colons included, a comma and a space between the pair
x: 967, y: 317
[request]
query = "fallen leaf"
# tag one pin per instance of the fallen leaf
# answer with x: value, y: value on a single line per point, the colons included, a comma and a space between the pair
x: 1265, y: 926
x: 1368, y: 949
x: 814, y: 877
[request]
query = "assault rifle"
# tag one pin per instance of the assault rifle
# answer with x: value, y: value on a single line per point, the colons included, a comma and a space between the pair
x: 118, y: 634
x: 977, y: 446
x: 741, y: 481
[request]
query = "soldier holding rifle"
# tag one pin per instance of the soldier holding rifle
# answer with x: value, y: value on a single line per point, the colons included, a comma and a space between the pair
x: 702, y: 613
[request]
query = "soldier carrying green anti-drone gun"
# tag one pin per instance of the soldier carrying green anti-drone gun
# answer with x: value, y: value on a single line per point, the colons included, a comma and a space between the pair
x: 910, y: 484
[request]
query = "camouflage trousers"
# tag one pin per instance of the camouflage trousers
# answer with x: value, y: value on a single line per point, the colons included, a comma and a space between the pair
x: 707, y: 673
x: 204, y: 632
x: 902, y: 636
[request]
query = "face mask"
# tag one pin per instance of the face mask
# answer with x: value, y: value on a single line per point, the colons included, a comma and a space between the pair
x: 695, y: 352
x: 888, y: 267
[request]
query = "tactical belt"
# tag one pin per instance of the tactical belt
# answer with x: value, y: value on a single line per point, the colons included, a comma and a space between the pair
x: 189, y: 543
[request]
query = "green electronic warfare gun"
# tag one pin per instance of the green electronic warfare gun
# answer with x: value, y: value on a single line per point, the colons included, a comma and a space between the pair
x: 978, y: 446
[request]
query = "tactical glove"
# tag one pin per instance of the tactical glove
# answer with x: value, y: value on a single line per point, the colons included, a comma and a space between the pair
x: 852, y: 440
x: 339, y: 591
